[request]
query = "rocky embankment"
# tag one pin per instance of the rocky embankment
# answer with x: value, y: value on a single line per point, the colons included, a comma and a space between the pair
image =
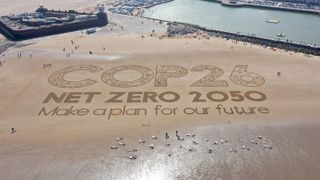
x: 176, y: 29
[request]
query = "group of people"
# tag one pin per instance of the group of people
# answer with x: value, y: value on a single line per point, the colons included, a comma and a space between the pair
x: 20, y: 55
x: 76, y: 47
x: 177, y: 135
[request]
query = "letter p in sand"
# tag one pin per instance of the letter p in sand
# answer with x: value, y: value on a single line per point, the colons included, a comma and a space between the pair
x: 164, y: 72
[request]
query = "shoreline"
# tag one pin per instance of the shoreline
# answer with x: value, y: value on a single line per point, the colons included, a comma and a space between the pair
x: 4, y: 45
x: 306, y: 48
x: 285, y: 45
x: 200, y: 156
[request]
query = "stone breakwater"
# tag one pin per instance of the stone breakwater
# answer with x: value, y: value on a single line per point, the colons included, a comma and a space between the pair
x: 176, y: 29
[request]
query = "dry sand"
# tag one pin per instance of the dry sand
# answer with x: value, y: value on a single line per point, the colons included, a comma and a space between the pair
x: 78, y: 147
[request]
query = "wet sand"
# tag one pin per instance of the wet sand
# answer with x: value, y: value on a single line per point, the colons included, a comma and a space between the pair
x: 293, y: 155
x: 78, y: 147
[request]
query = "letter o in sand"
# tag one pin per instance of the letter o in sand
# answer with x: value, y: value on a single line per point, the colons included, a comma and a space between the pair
x: 223, y: 96
x: 189, y: 111
x: 146, y: 76
x: 169, y: 96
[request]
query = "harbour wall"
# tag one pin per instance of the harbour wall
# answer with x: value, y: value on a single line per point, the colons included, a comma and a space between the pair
x: 156, y: 4
x: 264, y: 7
x: 17, y: 35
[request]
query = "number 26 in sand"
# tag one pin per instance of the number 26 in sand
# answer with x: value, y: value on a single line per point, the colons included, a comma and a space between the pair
x: 239, y: 76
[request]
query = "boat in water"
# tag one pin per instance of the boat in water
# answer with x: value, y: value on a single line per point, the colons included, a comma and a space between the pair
x: 274, y: 21
x: 281, y: 35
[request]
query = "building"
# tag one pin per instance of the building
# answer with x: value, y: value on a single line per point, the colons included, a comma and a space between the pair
x: 44, y: 22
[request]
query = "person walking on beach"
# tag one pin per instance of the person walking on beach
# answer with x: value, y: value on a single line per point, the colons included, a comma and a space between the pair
x: 177, y: 135
x: 167, y: 136
x: 279, y: 74
x: 13, y: 130
x: 0, y: 64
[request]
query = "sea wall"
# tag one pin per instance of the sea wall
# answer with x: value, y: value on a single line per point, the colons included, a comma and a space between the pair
x: 16, y: 35
x: 250, y: 5
x: 6, y: 32
x: 175, y: 28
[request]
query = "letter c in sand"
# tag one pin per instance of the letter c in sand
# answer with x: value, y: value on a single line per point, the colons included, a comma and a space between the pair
x: 57, y: 78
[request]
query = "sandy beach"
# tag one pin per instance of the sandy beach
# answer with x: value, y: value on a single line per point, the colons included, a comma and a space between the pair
x: 277, y: 140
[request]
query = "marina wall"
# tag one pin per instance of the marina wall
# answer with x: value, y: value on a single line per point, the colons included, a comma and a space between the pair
x: 242, y: 4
